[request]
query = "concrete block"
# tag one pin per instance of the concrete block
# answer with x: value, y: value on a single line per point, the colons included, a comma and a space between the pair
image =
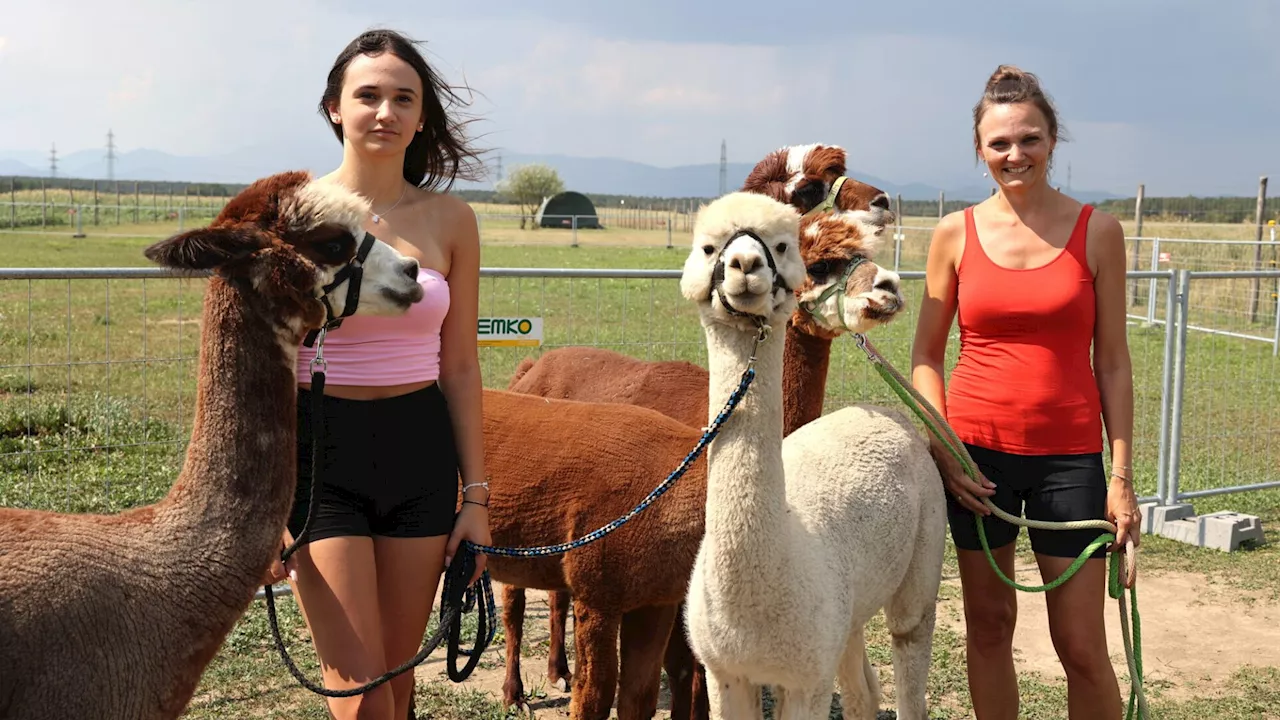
x: 1155, y: 516
x: 1184, y: 531
x: 1224, y: 530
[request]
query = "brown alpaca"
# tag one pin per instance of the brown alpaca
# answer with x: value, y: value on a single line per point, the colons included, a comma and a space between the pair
x: 546, y: 457
x: 118, y: 615
x: 678, y: 389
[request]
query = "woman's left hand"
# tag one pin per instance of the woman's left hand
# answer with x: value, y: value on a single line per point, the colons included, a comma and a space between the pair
x: 472, y: 524
x: 1122, y: 510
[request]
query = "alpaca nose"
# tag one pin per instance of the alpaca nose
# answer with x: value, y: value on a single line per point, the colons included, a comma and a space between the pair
x: 411, y: 268
x: 887, y: 280
x: 744, y: 262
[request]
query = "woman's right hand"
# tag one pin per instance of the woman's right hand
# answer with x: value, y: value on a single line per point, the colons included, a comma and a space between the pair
x: 966, y: 490
x: 278, y: 571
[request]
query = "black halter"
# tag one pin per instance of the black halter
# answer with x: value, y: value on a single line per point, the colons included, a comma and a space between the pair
x: 353, y: 270
x: 717, y: 273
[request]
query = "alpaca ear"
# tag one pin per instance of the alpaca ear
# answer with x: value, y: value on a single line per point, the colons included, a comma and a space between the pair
x: 205, y: 248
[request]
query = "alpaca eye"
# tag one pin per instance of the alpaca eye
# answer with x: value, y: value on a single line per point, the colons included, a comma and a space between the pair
x: 819, y: 268
x: 781, y: 248
x: 708, y: 249
x: 333, y: 247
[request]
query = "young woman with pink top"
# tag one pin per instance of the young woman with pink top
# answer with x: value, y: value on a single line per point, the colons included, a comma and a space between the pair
x: 402, y: 395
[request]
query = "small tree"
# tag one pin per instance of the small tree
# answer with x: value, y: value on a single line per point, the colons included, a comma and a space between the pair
x: 527, y: 185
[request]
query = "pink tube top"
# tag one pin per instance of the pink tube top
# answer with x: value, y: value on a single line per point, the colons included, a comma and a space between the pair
x: 375, y: 350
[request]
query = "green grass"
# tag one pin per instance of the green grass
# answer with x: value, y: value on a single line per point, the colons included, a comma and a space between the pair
x: 97, y: 381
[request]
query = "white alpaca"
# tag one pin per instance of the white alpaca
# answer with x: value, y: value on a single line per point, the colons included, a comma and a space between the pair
x: 805, y: 540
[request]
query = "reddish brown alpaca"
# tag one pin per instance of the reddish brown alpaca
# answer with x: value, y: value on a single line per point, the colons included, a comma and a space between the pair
x: 118, y: 615
x: 678, y: 389
x: 549, y: 454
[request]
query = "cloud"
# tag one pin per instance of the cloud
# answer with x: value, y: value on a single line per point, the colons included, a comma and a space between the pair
x: 1177, y: 95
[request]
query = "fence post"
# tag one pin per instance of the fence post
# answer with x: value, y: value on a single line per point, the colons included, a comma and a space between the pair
x: 1275, y: 340
x: 13, y: 205
x: 671, y: 218
x: 1255, y: 292
x: 1137, y: 244
x: 44, y: 204
x: 942, y: 202
x: 79, y: 233
x: 574, y: 221
x: 1151, y: 292
x: 897, y: 234
x: 182, y: 216
x: 1166, y: 387
x: 1179, y: 380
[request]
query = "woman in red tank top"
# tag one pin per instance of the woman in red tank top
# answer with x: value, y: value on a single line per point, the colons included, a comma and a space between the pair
x: 1035, y: 281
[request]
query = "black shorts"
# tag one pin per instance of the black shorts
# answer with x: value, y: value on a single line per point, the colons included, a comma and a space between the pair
x: 1055, y: 488
x: 389, y: 468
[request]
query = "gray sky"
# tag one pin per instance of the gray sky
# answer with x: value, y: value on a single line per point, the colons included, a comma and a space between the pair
x: 1178, y: 94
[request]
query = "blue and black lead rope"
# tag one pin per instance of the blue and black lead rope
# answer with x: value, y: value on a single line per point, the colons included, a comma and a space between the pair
x: 458, y: 599
x: 707, y: 437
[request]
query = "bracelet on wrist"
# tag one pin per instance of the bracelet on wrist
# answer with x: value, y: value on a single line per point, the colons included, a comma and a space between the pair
x: 474, y: 502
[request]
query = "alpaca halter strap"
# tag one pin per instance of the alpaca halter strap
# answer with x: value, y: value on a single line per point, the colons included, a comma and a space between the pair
x: 838, y: 288
x: 717, y: 273
x: 354, y: 270
x: 830, y: 202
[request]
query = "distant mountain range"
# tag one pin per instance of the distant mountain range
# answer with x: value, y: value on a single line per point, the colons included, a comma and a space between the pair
x: 602, y: 175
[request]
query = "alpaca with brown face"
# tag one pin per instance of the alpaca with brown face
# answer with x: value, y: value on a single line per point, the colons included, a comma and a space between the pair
x: 118, y: 615
x: 831, y: 240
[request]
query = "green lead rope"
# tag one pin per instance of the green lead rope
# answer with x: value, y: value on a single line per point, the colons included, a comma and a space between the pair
x: 938, y: 425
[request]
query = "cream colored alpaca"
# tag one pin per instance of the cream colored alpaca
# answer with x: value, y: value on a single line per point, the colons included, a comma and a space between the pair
x: 805, y: 540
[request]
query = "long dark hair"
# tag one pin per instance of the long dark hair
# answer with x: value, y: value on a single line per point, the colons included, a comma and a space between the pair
x: 438, y: 155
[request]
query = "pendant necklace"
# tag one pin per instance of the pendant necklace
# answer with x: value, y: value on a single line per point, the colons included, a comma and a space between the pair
x: 377, y: 217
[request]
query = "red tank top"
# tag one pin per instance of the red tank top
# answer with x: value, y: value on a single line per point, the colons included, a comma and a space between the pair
x: 1024, y: 380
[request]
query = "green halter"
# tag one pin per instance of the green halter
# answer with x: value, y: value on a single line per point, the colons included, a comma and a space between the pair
x: 830, y: 202
x: 838, y: 289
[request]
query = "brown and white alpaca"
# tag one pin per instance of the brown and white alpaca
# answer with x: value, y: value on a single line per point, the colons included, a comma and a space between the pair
x: 802, y: 176
x: 809, y: 537
x: 118, y: 615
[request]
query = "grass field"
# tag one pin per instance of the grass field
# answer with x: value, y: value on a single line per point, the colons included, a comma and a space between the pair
x: 97, y: 376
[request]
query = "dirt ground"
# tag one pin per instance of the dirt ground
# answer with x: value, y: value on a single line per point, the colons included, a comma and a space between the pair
x: 1194, y: 636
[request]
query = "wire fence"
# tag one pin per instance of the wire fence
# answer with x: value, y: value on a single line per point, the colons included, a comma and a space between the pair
x: 97, y: 372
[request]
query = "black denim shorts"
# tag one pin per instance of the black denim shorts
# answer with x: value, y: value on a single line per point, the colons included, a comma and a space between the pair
x: 389, y: 467
x: 1056, y: 488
